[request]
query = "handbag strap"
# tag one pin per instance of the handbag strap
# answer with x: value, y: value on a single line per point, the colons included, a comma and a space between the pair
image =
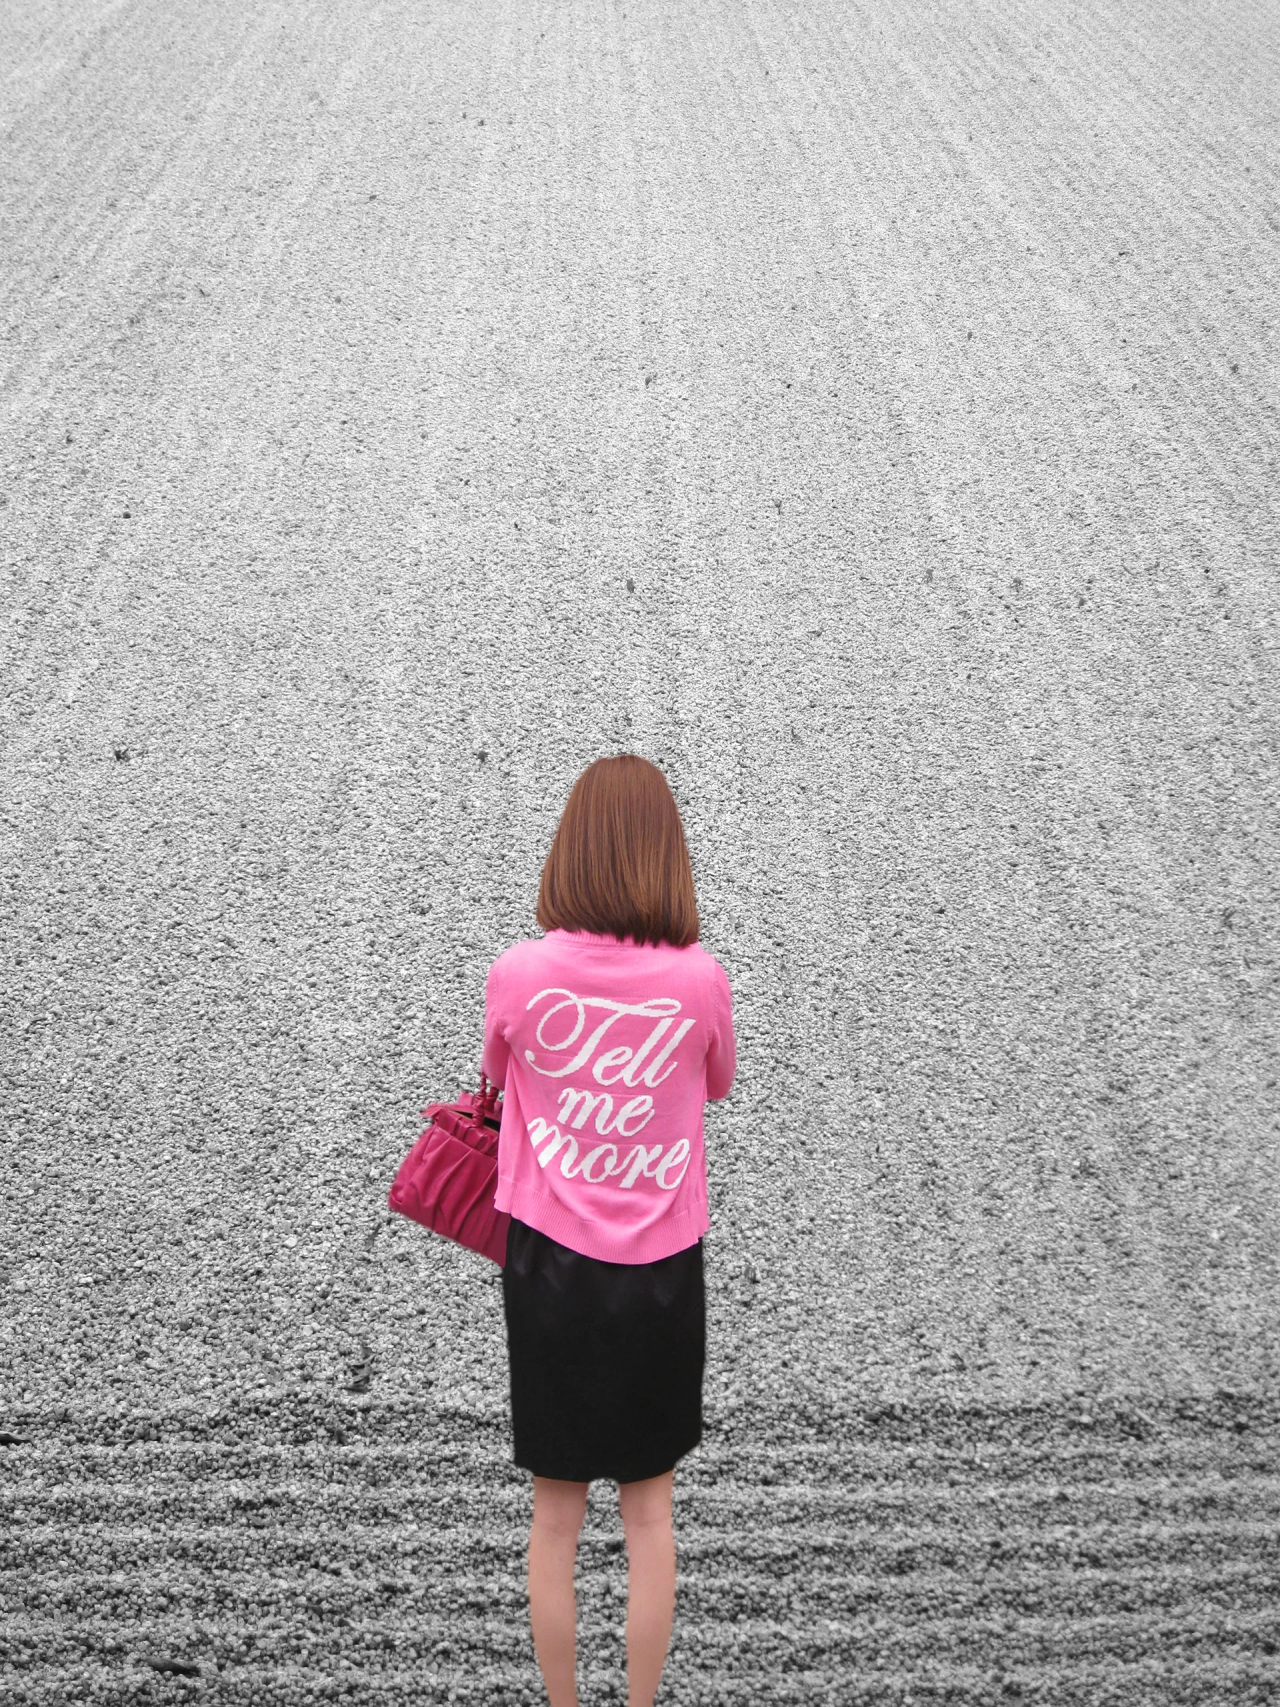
x: 488, y: 1098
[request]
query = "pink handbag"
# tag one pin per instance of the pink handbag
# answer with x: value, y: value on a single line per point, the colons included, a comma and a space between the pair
x: 448, y: 1180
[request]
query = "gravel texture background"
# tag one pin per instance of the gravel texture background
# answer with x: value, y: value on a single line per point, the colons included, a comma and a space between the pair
x: 870, y: 414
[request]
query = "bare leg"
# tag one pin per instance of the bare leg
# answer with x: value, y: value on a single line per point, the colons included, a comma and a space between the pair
x: 651, y: 1601
x: 558, y: 1511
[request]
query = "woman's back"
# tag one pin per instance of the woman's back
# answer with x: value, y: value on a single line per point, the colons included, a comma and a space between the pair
x: 606, y: 1051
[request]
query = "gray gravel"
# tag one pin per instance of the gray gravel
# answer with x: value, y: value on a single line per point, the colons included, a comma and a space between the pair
x: 868, y: 414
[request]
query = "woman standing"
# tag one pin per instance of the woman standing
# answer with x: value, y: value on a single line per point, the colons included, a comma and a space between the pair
x: 607, y: 1036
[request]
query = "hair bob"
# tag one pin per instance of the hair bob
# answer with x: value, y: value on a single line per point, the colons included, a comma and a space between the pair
x: 619, y: 863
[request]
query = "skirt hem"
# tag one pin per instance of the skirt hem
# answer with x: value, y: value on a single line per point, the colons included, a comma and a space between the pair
x: 659, y: 1465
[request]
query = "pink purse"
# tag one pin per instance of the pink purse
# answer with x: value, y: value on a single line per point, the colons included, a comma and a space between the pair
x: 448, y: 1180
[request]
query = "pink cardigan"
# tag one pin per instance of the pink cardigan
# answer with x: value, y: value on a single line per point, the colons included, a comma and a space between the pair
x: 606, y: 1050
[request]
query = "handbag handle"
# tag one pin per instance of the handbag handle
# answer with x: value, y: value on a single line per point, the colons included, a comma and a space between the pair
x: 488, y: 1097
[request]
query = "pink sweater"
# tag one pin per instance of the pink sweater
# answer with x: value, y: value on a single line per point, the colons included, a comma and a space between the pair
x: 606, y: 1050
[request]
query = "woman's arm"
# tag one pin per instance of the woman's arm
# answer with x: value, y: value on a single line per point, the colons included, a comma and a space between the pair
x: 722, y: 1054
x: 496, y: 1053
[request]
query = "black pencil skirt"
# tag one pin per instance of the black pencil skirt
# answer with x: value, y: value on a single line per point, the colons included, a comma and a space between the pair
x: 606, y: 1359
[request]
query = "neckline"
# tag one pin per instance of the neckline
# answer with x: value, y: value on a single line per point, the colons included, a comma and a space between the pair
x: 591, y: 936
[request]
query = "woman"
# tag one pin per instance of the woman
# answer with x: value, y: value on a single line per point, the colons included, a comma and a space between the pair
x: 607, y: 1035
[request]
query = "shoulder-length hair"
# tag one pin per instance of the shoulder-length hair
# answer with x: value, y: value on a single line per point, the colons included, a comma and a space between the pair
x: 619, y: 864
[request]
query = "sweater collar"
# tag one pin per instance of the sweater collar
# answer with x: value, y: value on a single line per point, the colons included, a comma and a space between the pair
x: 588, y: 936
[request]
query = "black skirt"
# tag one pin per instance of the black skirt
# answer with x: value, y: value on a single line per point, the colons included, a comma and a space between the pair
x: 606, y: 1359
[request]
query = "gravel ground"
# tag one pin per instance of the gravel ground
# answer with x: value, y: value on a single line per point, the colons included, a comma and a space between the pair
x: 867, y: 413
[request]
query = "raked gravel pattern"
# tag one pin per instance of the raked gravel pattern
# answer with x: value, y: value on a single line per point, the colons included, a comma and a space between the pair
x: 867, y: 412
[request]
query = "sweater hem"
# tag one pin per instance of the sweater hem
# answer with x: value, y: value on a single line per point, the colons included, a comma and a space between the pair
x: 676, y: 1232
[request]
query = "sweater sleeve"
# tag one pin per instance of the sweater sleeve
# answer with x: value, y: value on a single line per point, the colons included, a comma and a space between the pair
x: 722, y: 1052
x: 496, y: 1053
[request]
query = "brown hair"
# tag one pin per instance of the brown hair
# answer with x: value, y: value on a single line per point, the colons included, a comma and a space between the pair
x: 619, y: 863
